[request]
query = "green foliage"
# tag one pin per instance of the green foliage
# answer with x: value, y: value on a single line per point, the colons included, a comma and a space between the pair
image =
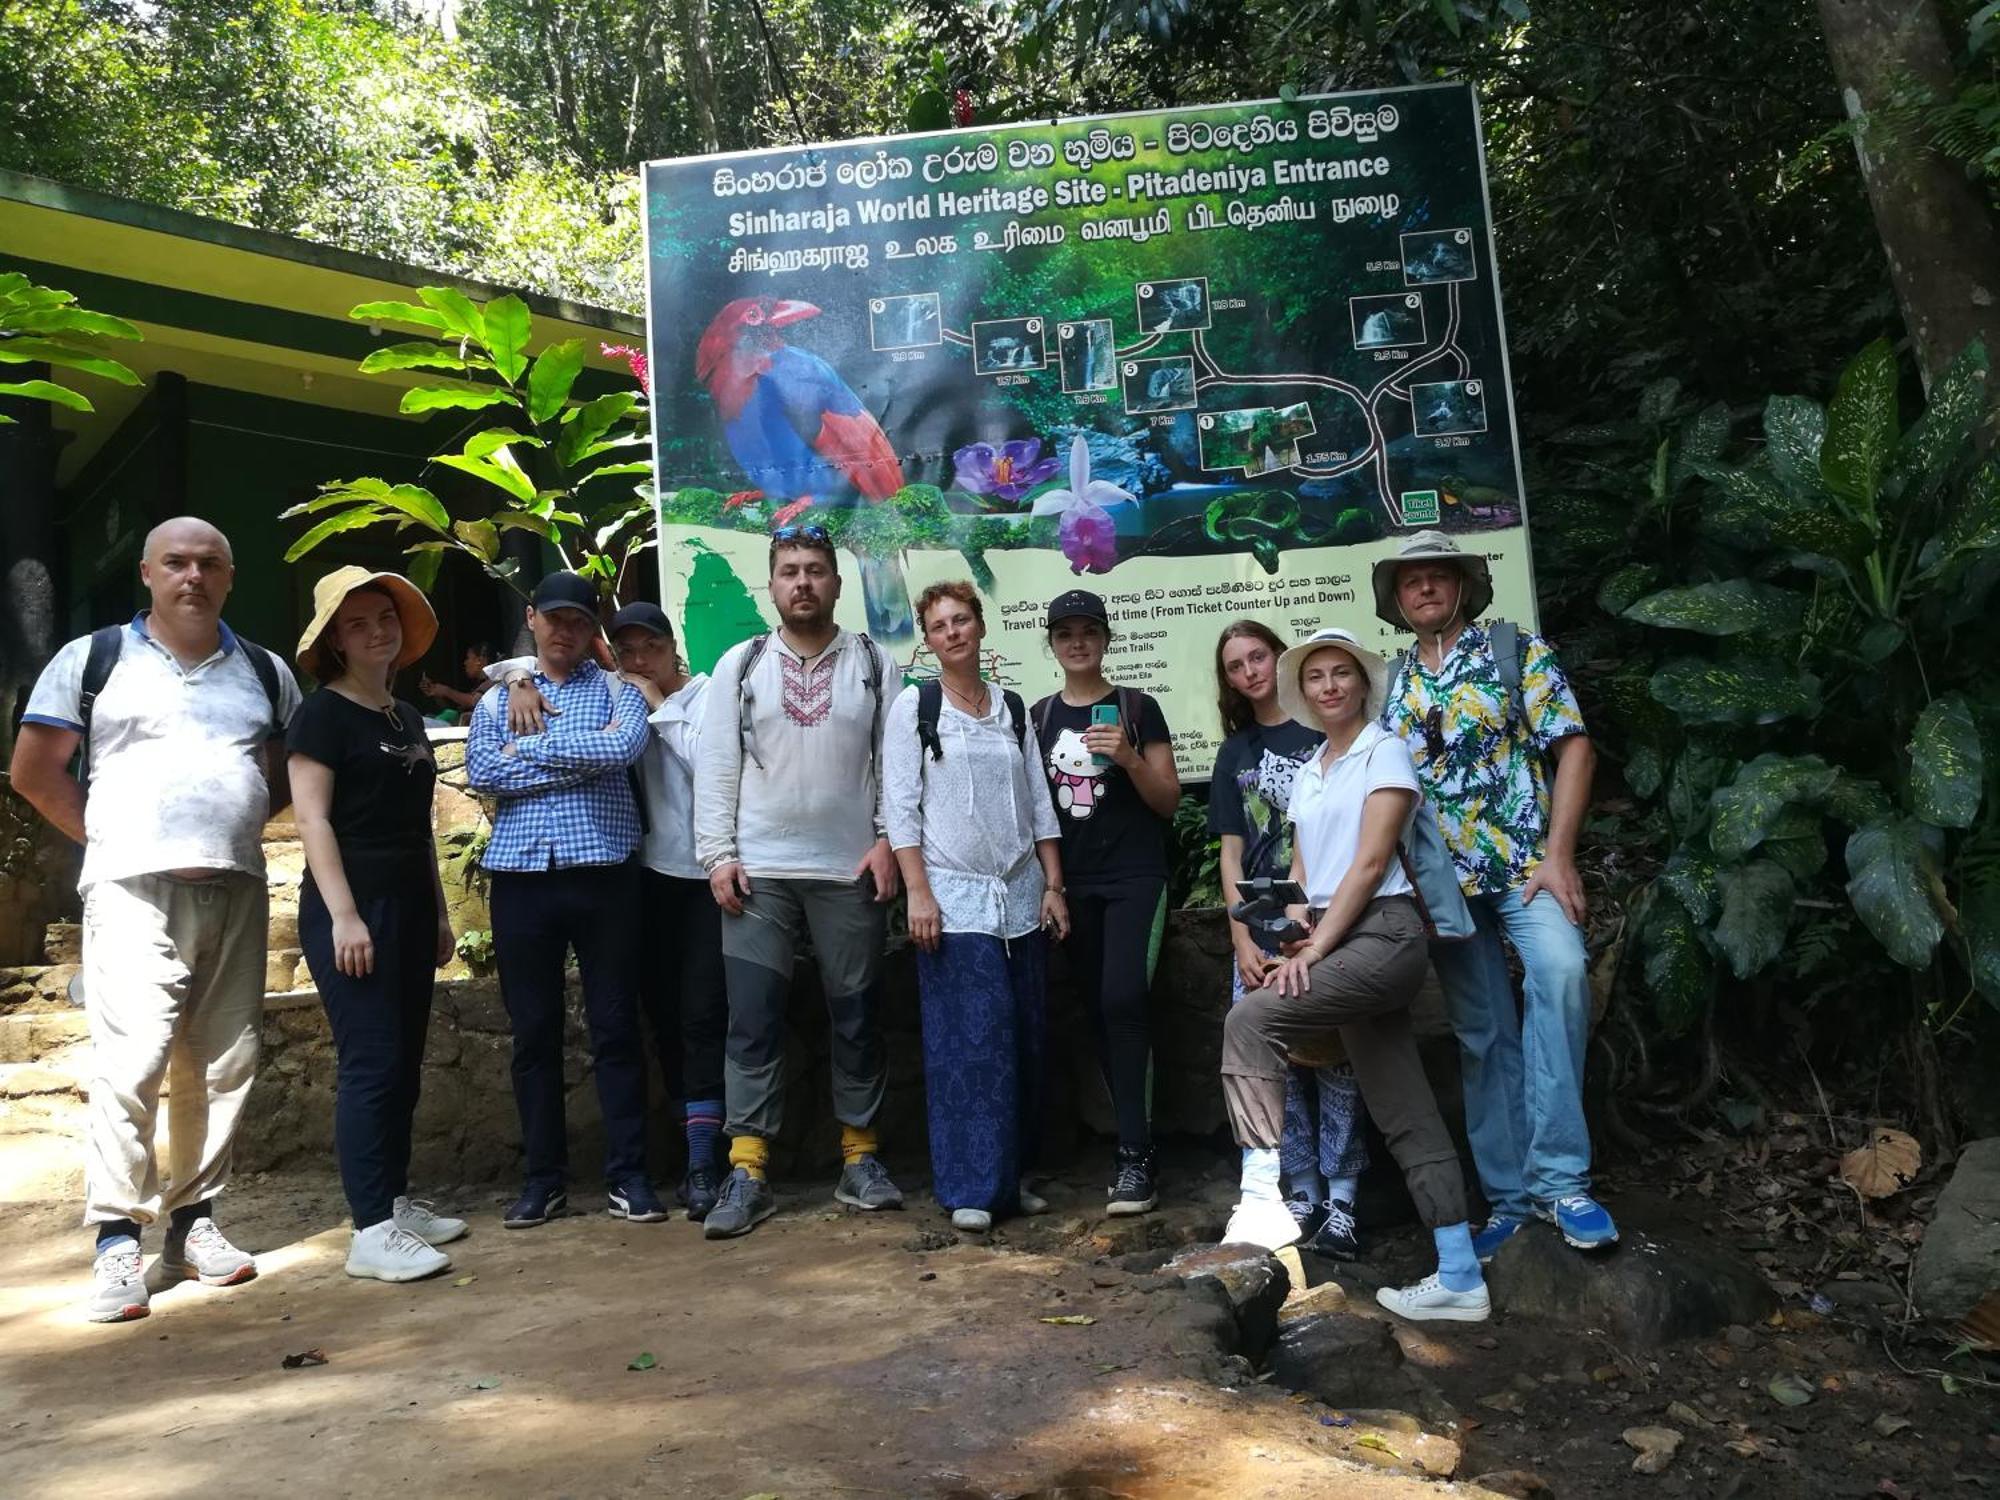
x: 536, y: 474
x: 42, y: 326
x: 1816, y: 651
x: 1194, y: 858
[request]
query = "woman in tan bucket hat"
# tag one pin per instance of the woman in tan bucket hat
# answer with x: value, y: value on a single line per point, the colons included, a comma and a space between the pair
x: 371, y: 914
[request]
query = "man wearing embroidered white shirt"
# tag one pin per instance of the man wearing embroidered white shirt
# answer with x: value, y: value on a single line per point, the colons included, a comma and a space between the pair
x: 788, y: 824
x: 180, y: 766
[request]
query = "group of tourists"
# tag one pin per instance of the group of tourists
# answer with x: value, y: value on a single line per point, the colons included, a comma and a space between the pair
x: 680, y: 835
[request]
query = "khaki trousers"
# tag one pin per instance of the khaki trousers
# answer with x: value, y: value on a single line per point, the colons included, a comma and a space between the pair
x: 1360, y: 995
x: 173, y: 978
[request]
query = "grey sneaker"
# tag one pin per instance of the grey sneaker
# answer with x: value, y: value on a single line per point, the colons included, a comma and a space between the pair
x: 203, y: 1255
x: 864, y: 1183
x: 419, y: 1217
x: 118, y: 1286
x: 740, y: 1207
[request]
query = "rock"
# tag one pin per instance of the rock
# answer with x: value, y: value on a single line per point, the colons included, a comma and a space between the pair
x: 62, y: 942
x: 1255, y: 1284
x: 1310, y: 1302
x: 1959, y: 1260
x: 1740, y: 1338
x: 1656, y: 1447
x: 1518, y: 1484
x: 1687, y: 1416
x: 1342, y: 1358
x: 1644, y: 1293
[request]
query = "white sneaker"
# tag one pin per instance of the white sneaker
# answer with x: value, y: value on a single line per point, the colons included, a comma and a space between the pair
x: 203, y: 1254
x: 389, y: 1252
x: 416, y: 1216
x: 1263, y: 1222
x: 971, y: 1220
x: 1031, y: 1201
x: 1431, y: 1301
x: 118, y: 1286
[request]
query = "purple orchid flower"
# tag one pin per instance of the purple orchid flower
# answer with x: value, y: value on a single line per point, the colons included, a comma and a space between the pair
x: 1007, y: 472
x: 1089, y: 538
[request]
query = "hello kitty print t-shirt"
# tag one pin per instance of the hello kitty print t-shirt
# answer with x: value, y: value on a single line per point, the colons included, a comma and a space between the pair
x: 1109, y: 834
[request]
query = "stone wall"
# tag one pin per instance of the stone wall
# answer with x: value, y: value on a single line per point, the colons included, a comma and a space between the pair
x: 38, y: 869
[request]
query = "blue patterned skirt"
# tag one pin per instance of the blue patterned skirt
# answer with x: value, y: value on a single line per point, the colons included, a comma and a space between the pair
x: 984, y: 1044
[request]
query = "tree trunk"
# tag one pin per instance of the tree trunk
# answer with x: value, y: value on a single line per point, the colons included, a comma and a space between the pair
x: 698, y: 71
x: 1942, y: 242
x: 29, y: 556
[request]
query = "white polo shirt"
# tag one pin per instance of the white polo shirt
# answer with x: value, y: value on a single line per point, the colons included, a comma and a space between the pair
x: 1326, y: 810
x: 176, y: 782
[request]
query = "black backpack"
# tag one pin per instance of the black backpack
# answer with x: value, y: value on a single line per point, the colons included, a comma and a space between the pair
x: 930, y: 704
x: 106, y: 646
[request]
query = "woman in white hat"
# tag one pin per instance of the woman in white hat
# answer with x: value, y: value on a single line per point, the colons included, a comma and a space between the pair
x: 1353, y: 975
x: 371, y: 912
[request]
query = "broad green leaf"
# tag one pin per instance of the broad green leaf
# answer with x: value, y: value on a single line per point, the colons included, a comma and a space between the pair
x: 585, y: 424
x: 1447, y: 12
x: 482, y: 536
x: 71, y: 320
x: 1741, y: 814
x: 1643, y: 771
x: 507, y: 329
x: 1893, y: 881
x: 1857, y: 801
x: 1879, y: 642
x: 413, y: 356
x: 1947, y: 768
x: 1794, y: 429
x: 347, y: 520
x: 411, y: 500
x: 1738, y: 692
x: 444, y: 397
x: 24, y: 351
x: 1972, y: 524
x: 1656, y: 401
x: 461, y: 315
x: 1756, y: 911
x: 482, y: 443
x: 500, y: 470
x: 1704, y: 437
x: 513, y: 520
x: 1796, y: 839
x: 47, y: 390
x: 424, y: 568
x: 1958, y: 399
x: 1677, y: 968
x: 1691, y: 876
x: 1861, y: 428
x: 549, y: 381
x: 13, y: 283
x: 400, y: 312
x: 1626, y: 585
x: 640, y: 466
x: 1732, y: 606
x: 1979, y: 921
x: 613, y: 444
x: 1757, y: 508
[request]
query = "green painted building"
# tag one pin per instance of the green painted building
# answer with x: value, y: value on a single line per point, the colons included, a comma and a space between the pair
x: 250, y: 401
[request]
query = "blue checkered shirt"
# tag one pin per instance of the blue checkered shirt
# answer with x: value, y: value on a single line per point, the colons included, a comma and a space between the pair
x: 565, y: 795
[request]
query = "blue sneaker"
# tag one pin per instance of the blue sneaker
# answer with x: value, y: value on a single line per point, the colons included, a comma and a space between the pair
x: 1581, y: 1220
x: 1499, y: 1229
x: 539, y: 1202
x: 635, y: 1200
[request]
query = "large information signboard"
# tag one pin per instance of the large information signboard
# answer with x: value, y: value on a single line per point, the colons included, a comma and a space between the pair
x: 1210, y: 362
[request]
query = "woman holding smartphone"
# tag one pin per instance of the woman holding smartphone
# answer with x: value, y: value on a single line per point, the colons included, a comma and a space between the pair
x: 1110, y: 760
x: 1352, y: 978
x: 974, y: 833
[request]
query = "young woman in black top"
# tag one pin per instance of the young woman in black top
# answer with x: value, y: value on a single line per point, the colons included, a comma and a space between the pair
x: 1110, y: 761
x: 371, y: 912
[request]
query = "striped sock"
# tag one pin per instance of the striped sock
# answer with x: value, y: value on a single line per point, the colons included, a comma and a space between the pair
x: 856, y: 1141
x: 704, y: 1128
x: 752, y: 1153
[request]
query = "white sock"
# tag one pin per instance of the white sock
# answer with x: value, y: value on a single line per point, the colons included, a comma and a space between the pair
x: 1260, y: 1174
x: 1342, y: 1189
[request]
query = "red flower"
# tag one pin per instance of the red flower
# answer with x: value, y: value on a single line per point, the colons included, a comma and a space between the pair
x: 635, y: 360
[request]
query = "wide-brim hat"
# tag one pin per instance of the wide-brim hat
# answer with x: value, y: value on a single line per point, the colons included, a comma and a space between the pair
x: 1292, y: 698
x: 1432, y: 546
x: 420, y: 626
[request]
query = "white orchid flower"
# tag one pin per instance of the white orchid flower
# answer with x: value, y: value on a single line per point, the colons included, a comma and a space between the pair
x: 1083, y: 490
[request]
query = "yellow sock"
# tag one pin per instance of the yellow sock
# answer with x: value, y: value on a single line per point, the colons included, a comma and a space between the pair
x: 752, y: 1153
x: 856, y: 1141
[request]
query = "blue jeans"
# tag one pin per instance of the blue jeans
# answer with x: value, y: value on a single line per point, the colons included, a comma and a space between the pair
x: 1523, y: 1069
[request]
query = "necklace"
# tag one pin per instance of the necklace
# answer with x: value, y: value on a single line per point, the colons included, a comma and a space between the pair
x: 973, y: 706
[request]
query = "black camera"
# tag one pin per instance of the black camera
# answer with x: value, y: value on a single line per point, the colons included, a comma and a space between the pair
x: 1262, y: 909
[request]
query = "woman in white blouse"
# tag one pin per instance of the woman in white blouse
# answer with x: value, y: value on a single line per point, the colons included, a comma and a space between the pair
x: 1353, y: 975
x: 969, y: 816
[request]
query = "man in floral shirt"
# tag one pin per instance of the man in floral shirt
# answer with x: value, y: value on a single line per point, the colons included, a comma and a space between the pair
x: 1484, y: 748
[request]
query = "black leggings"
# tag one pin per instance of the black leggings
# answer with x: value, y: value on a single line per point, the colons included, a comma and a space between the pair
x: 1110, y: 948
x: 681, y: 992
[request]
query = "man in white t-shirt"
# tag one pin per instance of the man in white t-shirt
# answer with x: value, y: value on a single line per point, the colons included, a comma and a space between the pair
x: 788, y: 824
x: 183, y: 741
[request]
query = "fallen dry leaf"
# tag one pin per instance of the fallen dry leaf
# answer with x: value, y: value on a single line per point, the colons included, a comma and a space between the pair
x: 1656, y: 1447
x: 1888, y: 1426
x: 1072, y: 1320
x: 1887, y: 1164
x: 1788, y: 1389
x: 304, y: 1357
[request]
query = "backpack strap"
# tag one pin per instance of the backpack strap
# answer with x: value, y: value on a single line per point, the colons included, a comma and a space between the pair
x: 1504, y: 637
x: 1129, y: 700
x: 744, y: 696
x: 875, y: 698
x: 1044, y: 711
x: 1017, y: 715
x: 266, y: 667
x: 105, y: 646
x: 930, y: 704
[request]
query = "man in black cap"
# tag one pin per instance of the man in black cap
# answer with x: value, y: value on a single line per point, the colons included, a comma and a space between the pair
x: 565, y: 874
x: 684, y: 1000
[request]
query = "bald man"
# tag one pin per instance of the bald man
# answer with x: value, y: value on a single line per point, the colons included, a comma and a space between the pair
x: 183, y: 733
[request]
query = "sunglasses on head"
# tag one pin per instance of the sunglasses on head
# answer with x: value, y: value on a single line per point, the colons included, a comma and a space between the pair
x: 817, y: 535
x: 1434, y: 731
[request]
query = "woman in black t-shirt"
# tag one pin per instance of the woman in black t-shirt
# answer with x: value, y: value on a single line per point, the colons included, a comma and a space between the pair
x: 1111, y: 770
x: 371, y: 912
x: 1325, y: 1145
